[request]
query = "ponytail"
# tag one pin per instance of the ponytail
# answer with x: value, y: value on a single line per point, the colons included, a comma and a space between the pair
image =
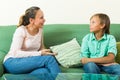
x: 24, y: 20
x: 29, y: 13
x: 21, y: 21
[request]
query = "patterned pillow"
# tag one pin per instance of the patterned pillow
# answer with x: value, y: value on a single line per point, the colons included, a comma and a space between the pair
x: 68, y: 53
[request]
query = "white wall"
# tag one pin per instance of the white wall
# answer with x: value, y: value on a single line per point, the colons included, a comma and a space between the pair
x: 60, y: 11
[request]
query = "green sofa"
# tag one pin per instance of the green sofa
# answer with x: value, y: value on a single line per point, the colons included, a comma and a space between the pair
x: 54, y: 34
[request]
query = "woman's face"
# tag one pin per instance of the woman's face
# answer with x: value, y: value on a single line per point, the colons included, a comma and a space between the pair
x: 39, y: 19
x: 95, y: 25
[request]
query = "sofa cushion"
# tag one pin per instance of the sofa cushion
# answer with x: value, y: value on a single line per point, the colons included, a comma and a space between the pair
x: 55, y: 34
x: 117, y: 59
x: 6, y: 33
x: 2, y: 54
x: 72, y: 69
x: 68, y: 53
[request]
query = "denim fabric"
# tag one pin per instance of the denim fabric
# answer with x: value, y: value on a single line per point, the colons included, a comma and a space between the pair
x: 32, y: 65
x: 91, y: 67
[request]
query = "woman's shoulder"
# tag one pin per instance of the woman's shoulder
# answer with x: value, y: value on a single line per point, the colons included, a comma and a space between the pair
x: 20, y: 28
x: 20, y: 31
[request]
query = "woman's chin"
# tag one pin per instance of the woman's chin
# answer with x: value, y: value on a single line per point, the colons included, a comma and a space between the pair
x: 41, y: 25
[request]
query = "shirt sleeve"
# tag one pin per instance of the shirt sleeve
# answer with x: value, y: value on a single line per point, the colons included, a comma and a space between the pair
x: 112, y: 45
x: 85, y: 47
x: 17, y: 42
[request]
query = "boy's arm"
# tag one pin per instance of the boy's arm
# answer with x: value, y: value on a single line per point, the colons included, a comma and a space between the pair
x: 103, y: 60
x: 84, y: 48
x: 110, y: 58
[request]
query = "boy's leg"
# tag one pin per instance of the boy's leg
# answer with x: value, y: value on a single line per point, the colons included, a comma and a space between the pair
x: 91, y: 67
x: 112, y: 69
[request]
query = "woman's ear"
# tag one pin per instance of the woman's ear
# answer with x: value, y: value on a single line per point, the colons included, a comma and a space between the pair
x: 31, y: 21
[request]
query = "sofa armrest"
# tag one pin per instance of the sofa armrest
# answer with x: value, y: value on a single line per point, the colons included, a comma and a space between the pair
x: 2, y: 55
x: 117, y: 59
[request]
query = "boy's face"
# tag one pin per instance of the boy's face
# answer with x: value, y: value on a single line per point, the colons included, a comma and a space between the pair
x: 95, y: 25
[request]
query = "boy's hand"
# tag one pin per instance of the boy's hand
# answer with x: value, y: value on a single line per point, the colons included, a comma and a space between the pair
x: 85, y: 60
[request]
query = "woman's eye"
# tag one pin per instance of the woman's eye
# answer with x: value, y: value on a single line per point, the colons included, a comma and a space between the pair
x: 41, y: 17
x: 93, y: 22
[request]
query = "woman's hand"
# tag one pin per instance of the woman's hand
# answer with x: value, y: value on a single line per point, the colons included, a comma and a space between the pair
x: 47, y: 52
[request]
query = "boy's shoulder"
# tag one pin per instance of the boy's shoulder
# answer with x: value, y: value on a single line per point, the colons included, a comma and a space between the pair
x: 109, y: 36
x: 88, y: 36
x: 92, y: 35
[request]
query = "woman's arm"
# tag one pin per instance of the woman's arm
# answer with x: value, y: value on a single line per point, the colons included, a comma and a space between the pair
x: 42, y: 43
x: 17, y: 42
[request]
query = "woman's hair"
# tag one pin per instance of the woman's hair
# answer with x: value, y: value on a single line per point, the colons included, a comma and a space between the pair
x: 104, y: 19
x: 29, y: 13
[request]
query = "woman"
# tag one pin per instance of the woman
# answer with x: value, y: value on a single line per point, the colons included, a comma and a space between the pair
x: 27, y: 53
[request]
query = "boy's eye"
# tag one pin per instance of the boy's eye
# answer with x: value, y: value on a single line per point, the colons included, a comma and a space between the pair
x: 93, y: 22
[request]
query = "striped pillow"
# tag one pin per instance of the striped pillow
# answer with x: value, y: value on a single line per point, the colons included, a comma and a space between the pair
x: 68, y: 53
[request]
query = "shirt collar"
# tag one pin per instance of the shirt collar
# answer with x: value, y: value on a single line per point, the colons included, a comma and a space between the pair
x: 94, y: 38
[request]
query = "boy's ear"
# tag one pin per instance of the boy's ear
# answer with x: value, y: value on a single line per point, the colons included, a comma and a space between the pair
x: 102, y: 26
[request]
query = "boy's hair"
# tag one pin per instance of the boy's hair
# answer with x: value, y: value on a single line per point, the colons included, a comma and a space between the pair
x: 104, y: 19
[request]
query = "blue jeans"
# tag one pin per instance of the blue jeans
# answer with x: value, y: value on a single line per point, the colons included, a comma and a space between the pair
x: 91, y: 67
x: 32, y: 65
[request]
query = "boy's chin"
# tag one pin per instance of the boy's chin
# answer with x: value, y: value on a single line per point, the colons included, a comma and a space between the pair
x: 91, y: 31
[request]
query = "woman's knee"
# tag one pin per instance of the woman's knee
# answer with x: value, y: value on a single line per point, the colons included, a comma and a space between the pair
x: 40, y: 71
x: 50, y: 58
